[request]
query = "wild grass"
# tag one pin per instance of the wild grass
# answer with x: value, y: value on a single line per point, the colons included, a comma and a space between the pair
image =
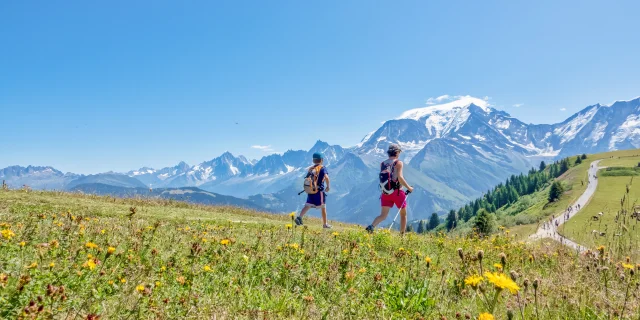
x: 67, y: 256
x: 617, y: 227
x: 524, y: 215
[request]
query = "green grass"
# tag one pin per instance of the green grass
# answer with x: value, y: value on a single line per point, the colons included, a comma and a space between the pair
x: 523, y: 216
x: 173, y: 260
x: 620, y: 172
x: 607, y: 199
x: 40, y: 202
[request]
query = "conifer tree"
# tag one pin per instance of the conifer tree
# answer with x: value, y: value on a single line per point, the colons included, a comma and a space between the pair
x: 451, y: 220
x: 421, y: 227
x: 434, y: 221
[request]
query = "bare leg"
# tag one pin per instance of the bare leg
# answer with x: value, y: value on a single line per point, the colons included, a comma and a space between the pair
x: 324, y: 216
x: 403, y: 220
x: 383, y: 215
x: 304, y: 211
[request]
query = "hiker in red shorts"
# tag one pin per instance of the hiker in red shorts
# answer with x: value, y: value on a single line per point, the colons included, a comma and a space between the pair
x: 391, y: 183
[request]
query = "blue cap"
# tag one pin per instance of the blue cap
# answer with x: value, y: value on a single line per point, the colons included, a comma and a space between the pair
x: 318, y: 156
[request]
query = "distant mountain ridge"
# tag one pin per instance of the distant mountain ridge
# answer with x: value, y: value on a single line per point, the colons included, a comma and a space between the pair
x: 454, y: 151
x: 187, y: 194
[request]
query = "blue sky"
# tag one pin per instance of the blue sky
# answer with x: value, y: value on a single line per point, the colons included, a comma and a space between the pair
x: 91, y: 86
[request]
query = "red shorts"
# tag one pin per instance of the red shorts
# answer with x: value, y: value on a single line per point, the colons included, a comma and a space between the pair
x: 398, y: 198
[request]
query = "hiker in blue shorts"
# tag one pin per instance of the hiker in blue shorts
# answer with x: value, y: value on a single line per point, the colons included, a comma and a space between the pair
x: 315, y: 189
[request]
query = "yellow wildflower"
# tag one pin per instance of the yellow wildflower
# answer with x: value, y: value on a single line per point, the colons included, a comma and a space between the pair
x: 294, y: 246
x: 497, y: 266
x: 289, y: 226
x: 292, y: 214
x: 362, y: 270
x: 501, y: 281
x: 163, y: 268
x: 22, y: 243
x: 103, y: 231
x: 486, y: 316
x: 225, y: 242
x: 158, y: 283
x: 427, y: 260
x: 33, y: 265
x: 110, y: 282
x: 111, y: 250
x: 335, y: 234
x: 473, y: 281
x: 123, y: 280
x: 91, y: 245
x: 7, y: 234
x: 90, y: 264
x: 206, y: 268
x: 140, y: 288
x: 52, y: 264
x: 628, y: 266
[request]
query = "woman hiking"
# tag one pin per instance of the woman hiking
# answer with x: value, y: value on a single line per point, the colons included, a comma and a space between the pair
x: 391, y: 183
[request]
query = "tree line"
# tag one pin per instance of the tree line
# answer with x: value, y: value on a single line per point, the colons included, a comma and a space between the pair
x: 515, y: 187
x: 511, y: 190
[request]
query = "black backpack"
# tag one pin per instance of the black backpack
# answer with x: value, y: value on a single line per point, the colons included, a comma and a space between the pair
x: 387, y: 185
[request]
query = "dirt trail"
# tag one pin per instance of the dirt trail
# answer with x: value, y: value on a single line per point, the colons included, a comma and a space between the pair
x: 549, y: 229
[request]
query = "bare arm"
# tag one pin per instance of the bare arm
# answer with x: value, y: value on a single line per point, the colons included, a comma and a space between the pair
x: 326, y: 178
x: 403, y: 182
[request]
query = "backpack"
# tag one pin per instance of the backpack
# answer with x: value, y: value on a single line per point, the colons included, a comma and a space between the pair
x: 311, y: 180
x: 387, y: 185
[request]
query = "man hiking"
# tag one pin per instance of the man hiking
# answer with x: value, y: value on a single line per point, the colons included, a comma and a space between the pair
x: 391, y: 183
x: 317, y: 175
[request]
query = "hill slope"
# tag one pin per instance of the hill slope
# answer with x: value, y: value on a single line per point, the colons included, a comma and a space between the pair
x: 170, y: 259
x: 616, y: 196
x: 523, y: 216
x: 187, y: 194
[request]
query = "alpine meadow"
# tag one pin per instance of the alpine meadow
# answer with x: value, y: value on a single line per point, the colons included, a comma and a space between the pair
x: 428, y: 160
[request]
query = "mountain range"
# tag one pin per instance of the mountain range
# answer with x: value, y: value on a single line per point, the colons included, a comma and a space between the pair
x: 455, y: 151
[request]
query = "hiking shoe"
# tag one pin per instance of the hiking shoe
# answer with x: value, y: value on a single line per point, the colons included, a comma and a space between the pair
x: 369, y: 229
x: 327, y: 226
x: 298, y: 221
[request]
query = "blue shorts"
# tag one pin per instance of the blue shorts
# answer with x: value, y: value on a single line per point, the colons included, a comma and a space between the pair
x: 318, y: 200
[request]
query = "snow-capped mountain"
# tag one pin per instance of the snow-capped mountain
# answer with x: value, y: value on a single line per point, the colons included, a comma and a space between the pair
x: 600, y: 128
x: 471, y: 146
x: 158, y: 178
x: 218, y: 169
x: 275, y: 172
x: 454, y: 151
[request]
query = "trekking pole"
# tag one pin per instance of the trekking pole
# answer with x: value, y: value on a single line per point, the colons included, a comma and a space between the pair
x: 397, y: 214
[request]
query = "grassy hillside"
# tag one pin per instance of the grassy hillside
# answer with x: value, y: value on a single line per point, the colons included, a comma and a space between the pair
x: 68, y: 256
x: 615, y: 227
x: 523, y: 216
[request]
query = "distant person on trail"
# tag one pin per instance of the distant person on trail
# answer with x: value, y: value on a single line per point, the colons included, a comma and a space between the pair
x: 391, y: 182
x: 314, y: 187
